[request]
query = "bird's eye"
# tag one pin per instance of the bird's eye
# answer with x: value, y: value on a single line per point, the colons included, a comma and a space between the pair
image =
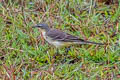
x: 39, y: 26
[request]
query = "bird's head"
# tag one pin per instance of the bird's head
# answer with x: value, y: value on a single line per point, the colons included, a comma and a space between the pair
x: 42, y: 26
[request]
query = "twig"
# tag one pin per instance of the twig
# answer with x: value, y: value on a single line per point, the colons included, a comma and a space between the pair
x: 15, y: 49
x: 23, y: 13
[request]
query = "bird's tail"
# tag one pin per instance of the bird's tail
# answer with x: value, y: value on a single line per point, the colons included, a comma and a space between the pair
x: 89, y: 42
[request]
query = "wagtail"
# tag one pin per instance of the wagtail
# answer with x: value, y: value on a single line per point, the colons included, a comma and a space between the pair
x: 59, y: 38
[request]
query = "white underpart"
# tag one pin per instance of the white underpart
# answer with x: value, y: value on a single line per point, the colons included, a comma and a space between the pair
x: 49, y: 40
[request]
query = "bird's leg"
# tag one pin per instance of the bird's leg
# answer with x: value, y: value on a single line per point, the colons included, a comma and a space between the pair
x: 56, y: 53
x: 67, y: 49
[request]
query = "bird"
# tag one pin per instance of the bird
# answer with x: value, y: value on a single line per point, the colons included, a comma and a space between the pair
x: 59, y: 38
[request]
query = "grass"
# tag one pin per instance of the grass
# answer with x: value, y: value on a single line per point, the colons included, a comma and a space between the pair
x: 25, y: 55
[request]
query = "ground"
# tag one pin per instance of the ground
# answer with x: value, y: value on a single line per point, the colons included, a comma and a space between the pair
x: 24, y: 54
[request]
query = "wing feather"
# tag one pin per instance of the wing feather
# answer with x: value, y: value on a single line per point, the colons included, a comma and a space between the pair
x: 62, y: 36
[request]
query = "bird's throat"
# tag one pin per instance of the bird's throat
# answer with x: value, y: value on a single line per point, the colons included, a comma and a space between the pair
x: 43, y: 34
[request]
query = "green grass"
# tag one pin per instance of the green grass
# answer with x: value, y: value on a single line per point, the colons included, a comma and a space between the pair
x: 24, y: 56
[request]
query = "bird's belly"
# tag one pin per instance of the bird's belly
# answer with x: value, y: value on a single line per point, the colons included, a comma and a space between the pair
x: 56, y: 43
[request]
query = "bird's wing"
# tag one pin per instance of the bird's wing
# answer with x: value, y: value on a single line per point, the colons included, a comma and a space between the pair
x: 62, y: 36
x: 59, y: 35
